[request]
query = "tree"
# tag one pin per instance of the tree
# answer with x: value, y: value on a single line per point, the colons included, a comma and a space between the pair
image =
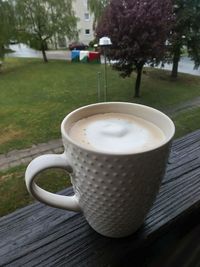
x: 40, y: 20
x: 97, y: 7
x: 7, y: 31
x: 185, y: 33
x: 138, y: 30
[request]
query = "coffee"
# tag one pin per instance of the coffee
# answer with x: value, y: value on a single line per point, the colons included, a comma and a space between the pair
x: 116, y: 132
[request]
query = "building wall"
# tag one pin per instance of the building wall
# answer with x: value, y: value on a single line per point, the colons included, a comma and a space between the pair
x: 85, y: 23
x: 84, y: 26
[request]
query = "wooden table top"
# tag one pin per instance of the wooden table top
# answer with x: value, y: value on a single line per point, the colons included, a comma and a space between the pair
x: 38, y: 235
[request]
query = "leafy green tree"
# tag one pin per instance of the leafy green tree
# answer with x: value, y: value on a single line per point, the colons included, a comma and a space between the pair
x: 40, y: 20
x: 138, y: 31
x: 97, y: 7
x: 7, y: 31
x: 185, y: 33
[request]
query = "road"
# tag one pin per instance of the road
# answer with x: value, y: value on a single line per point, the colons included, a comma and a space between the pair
x: 186, y: 65
x: 21, y: 50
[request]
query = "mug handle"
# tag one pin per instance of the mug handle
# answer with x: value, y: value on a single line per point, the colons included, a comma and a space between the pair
x: 42, y: 163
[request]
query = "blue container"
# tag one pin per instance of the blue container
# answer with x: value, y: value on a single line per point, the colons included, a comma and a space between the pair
x: 75, y: 55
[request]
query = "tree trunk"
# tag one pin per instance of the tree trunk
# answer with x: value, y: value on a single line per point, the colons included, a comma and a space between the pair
x: 176, y: 59
x: 1, y: 64
x: 44, y: 52
x: 139, y: 68
x: 1, y: 52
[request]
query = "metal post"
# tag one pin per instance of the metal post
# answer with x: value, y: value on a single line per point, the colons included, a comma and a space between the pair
x: 98, y: 87
x: 105, y: 76
x: 105, y: 42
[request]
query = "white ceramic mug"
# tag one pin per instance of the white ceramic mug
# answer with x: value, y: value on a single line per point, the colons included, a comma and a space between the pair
x: 114, y: 191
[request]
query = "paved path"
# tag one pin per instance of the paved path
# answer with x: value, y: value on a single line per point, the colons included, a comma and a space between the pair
x: 24, y: 156
x: 22, y: 50
x: 188, y: 105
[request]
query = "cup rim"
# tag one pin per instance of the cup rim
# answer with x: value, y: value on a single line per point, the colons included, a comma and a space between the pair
x: 162, y: 144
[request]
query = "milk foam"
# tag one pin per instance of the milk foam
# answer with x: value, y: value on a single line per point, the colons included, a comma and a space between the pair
x: 116, y: 132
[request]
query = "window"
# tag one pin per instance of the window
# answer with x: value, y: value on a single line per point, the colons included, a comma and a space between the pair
x: 86, y: 16
x: 87, y: 31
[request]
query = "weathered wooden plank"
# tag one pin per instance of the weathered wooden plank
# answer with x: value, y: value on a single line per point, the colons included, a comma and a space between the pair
x: 86, y: 248
x: 171, y: 210
x: 186, y: 147
x: 176, y: 190
x: 43, y: 236
x: 186, y: 252
x: 184, y: 152
x: 175, y: 163
x: 187, y: 139
x: 177, y: 155
x: 27, y: 212
x: 181, y: 170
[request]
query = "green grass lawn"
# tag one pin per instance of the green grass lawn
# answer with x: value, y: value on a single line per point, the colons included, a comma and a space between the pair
x: 13, y: 193
x: 187, y: 122
x: 35, y: 97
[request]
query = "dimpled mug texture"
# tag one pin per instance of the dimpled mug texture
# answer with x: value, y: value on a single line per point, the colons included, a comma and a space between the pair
x: 116, y: 192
